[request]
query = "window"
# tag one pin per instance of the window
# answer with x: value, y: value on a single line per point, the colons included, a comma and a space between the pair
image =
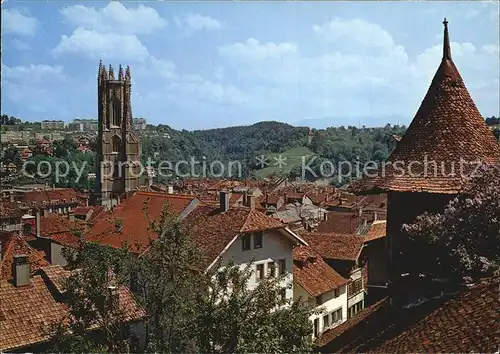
x: 271, y: 269
x: 282, y: 266
x: 337, y: 315
x: 326, y: 321
x: 116, y: 142
x: 257, y: 240
x: 355, y: 287
x: 260, y: 272
x: 336, y: 293
x: 319, y: 300
x: 316, y: 327
x: 27, y: 229
x: 283, y: 294
x: 245, y: 242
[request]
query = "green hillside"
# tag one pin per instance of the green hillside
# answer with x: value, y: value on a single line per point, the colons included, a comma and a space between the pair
x: 289, y: 159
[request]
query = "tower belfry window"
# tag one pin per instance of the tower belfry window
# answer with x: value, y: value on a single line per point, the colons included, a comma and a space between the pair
x: 117, y: 119
x: 116, y: 142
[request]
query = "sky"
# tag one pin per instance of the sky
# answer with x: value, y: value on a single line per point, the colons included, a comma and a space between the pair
x: 200, y: 65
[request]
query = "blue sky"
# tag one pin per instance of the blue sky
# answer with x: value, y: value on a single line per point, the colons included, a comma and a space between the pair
x: 199, y: 65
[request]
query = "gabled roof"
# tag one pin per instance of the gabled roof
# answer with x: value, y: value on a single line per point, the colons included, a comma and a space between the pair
x: 377, y: 230
x: 335, y: 246
x: 312, y: 273
x: 466, y: 323
x: 213, y: 230
x: 61, y: 230
x: 12, y: 245
x: 447, y: 129
x: 27, y: 311
x: 134, y: 228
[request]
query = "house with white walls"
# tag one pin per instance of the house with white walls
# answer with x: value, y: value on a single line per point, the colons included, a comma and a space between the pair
x: 343, y: 253
x: 325, y: 290
x: 244, y: 236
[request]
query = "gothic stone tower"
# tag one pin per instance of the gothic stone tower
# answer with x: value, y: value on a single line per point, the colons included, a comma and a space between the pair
x: 118, y: 167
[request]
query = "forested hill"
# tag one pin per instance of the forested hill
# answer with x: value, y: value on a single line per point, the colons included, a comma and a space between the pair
x: 245, y: 143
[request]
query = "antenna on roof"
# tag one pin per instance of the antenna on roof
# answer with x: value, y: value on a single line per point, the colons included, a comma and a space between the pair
x: 446, y: 42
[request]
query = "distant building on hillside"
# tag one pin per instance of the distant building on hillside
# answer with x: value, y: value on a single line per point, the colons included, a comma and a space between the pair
x: 52, y: 125
x: 83, y: 125
x: 139, y: 123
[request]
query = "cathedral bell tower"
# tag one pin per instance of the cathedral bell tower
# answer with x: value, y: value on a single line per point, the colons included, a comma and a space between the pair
x: 118, y: 166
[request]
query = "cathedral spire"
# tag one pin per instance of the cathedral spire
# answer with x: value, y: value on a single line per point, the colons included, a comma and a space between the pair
x: 111, y: 73
x: 127, y: 74
x: 100, y: 69
x: 120, y: 73
x: 446, y: 42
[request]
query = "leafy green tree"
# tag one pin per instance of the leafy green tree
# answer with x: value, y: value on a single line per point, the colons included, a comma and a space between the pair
x: 463, y: 242
x: 95, y: 322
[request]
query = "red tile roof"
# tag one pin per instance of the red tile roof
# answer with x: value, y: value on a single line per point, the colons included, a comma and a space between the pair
x: 9, y: 210
x: 377, y: 230
x: 82, y: 210
x: 16, y: 245
x: 465, y: 323
x: 61, y: 230
x: 135, y: 228
x: 213, y: 230
x: 447, y: 129
x: 49, y: 195
x: 27, y: 312
x: 312, y: 273
x: 342, y: 222
x: 335, y: 246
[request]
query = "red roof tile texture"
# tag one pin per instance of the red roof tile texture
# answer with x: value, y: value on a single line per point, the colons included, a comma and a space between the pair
x: 335, y: 246
x: 377, y: 230
x: 27, y: 312
x: 50, y: 195
x: 212, y: 230
x: 447, y: 128
x: 342, y: 222
x: 312, y: 273
x: 9, y: 210
x: 13, y: 245
x: 135, y: 223
x: 466, y: 323
x: 62, y: 230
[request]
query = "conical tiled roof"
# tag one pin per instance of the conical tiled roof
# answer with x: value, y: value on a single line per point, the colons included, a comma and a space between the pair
x: 447, y: 131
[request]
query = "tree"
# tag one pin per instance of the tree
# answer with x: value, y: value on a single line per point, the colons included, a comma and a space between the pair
x: 235, y: 319
x: 188, y: 309
x: 463, y: 242
x: 93, y: 268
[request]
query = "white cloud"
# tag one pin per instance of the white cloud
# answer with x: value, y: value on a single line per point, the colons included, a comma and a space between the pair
x: 359, y: 31
x: 15, y: 22
x: 34, y: 81
x: 107, y: 46
x: 197, y: 22
x: 324, y: 85
x: 252, y: 49
x: 114, y: 17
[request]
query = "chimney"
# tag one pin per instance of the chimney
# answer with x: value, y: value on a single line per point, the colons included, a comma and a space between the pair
x: 71, y: 216
x: 360, y: 211
x: 37, y: 220
x: 170, y: 189
x: 21, y: 270
x: 113, y: 295
x: 224, y: 200
x: 375, y: 215
x: 45, y: 212
x: 325, y: 216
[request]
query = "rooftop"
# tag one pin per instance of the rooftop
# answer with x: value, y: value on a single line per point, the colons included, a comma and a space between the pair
x: 335, y: 246
x: 467, y: 322
x: 129, y: 223
x: 313, y: 274
x: 446, y: 130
